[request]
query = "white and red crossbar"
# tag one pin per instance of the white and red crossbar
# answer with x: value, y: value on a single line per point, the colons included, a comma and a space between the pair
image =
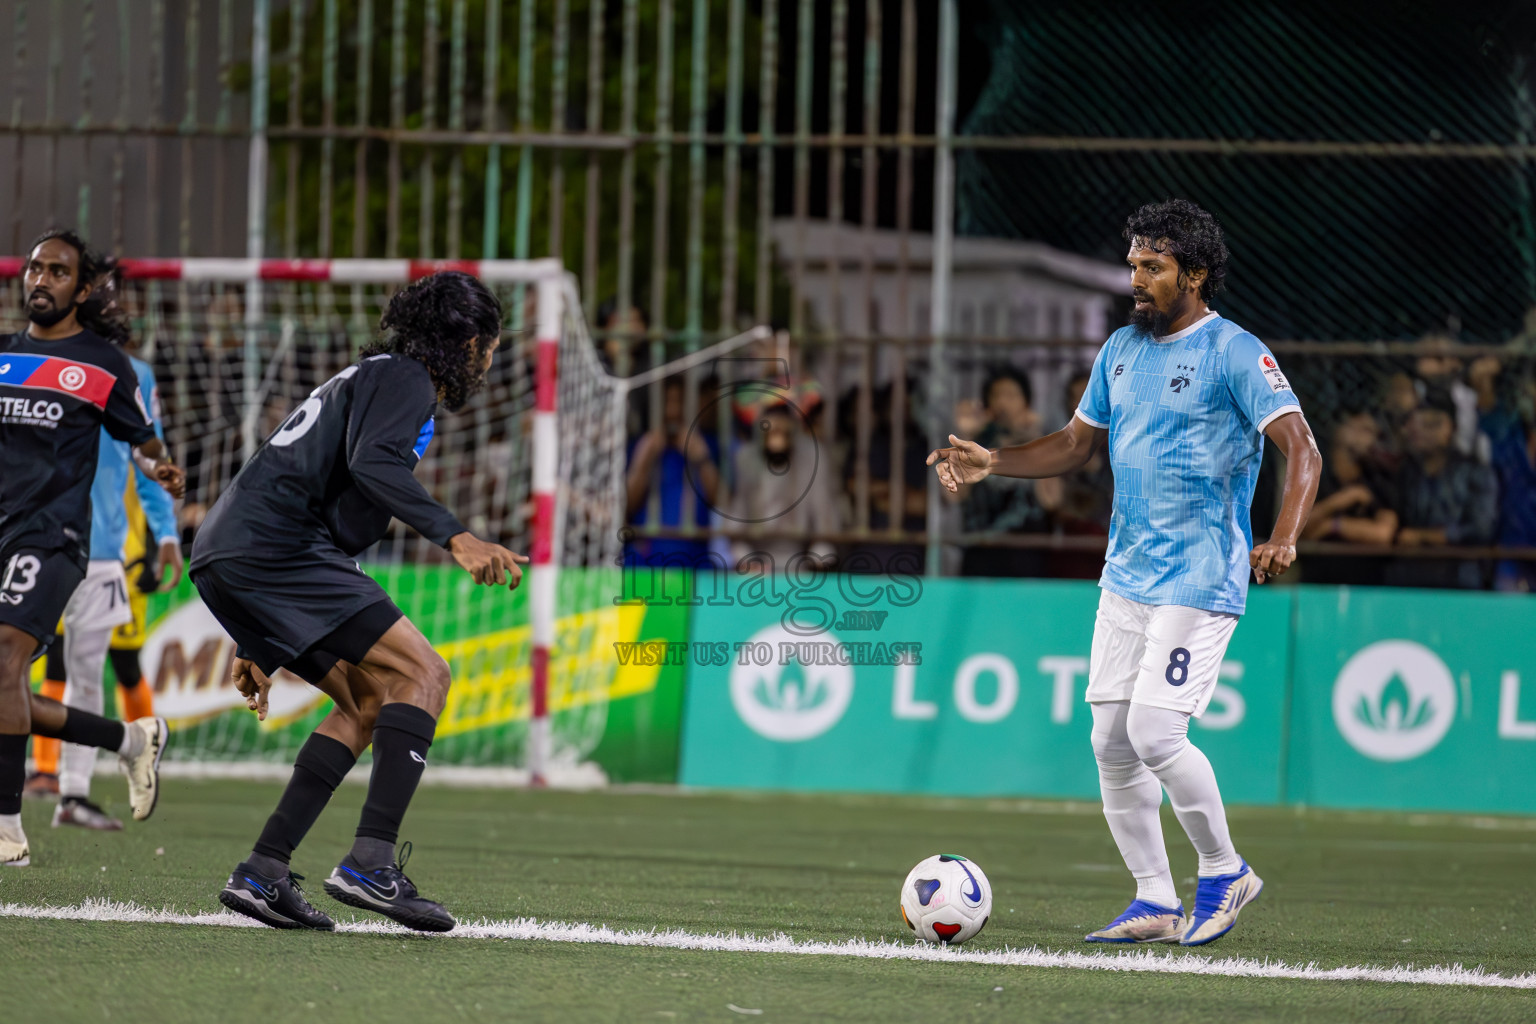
x: 335, y: 271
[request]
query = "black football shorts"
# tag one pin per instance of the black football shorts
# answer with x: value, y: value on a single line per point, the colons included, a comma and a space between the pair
x: 300, y: 615
x: 35, y: 585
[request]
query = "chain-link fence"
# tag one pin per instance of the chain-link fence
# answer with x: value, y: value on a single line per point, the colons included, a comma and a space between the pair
x: 701, y: 164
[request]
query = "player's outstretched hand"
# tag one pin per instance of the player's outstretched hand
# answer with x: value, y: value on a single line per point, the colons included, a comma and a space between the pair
x: 490, y: 564
x: 966, y: 463
x: 1271, y: 559
x: 171, y: 478
x: 253, y: 685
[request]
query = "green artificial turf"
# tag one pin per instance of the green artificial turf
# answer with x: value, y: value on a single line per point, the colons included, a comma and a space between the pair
x: 1342, y: 890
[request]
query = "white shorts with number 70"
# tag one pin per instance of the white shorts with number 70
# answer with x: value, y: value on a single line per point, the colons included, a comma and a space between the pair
x: 1163, y: 656
x: 101, y: 600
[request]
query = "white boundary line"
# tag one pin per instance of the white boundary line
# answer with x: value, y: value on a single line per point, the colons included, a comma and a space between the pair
x: 529, y: 929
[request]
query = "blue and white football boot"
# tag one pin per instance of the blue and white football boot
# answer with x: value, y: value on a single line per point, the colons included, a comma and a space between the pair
x: 385, y: 890
x: 1217, y: 901
x: 1143, y: 922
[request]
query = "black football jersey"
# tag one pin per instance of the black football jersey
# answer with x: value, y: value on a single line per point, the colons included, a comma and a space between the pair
x: 335, y: 472
x: 55, y: 398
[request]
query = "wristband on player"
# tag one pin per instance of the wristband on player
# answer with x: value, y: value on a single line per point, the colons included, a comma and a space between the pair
x: 148, y: 464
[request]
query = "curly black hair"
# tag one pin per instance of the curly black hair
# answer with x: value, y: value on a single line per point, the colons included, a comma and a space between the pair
x: 99, y: 313
x: 1186, y: 232
x: 447, y: 321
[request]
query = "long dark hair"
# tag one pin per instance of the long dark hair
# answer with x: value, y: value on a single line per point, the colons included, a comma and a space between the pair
x: 431, y: 320
x: 99, y: 313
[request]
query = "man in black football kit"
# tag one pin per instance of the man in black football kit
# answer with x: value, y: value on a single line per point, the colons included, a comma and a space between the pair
x: 61, y: 382
x: 274, y: 563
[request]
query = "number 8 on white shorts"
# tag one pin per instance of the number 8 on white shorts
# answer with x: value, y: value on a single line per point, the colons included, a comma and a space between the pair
x: 1163, y: 656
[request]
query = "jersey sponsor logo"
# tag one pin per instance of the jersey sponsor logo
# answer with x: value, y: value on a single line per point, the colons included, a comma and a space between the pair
x: 1179, y: 383
x: 31, y: 412
x: 1119, y: 369
x: 1394, y: 700
x: 80, y: 380
x: 1271, y: 371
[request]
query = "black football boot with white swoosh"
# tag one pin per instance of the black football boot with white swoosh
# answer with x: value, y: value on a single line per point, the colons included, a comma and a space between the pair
x: 276, y: 902
x: 385, y: 890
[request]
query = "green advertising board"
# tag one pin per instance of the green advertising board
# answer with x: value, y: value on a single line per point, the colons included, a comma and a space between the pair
x: 956, y: 687
x: 1414, y: 699
x: 621, y: 717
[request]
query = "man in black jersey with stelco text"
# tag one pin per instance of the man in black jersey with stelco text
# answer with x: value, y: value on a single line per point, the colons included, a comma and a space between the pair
x: 61, y: 381
x: 274, y: 563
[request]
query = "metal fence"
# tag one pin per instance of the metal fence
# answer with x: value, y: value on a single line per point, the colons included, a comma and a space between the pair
x: 708, y: 163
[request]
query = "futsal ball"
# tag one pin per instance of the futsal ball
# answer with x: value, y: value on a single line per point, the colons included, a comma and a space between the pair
x: 946, y: 899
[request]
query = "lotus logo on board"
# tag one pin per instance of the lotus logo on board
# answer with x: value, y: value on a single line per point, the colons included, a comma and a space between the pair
x: 789, y: 702
x: 1394, y: 700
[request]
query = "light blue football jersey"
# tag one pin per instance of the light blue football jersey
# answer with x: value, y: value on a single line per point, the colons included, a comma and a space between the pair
x: 1186, y: 417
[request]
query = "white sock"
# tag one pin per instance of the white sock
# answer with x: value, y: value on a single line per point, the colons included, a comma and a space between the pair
x: 10, y: 826
x: 1196, y: 799
x: 133, y: 741
x: 1131, y: 798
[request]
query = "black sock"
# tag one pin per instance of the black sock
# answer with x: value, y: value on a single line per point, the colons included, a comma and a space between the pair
x: 321, y: 765
x: 88, y: 730
x: 13, y: 772
x: 401, y: 736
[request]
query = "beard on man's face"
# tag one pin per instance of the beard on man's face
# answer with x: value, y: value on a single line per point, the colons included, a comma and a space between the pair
x: 49, y: 313
x: 1151, y: 319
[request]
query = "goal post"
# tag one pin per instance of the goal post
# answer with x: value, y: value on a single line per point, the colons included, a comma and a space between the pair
x: 549, y: 424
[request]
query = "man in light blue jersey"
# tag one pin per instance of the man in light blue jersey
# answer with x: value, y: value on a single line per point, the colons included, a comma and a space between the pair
x: 1186, y: 399
x: 101, y: 602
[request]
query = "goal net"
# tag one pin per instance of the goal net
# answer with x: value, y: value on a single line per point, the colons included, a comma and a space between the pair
x: 535, y: 462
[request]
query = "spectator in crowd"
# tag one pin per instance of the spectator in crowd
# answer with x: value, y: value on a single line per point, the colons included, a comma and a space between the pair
x: 908, y: 509
x: 1437, y: 369
x: 1443, y: 498
x: 622, y: 346
x: 1079, y: 503
x: 1357, y: 502
x: 1004, y: 504
x: 675, y: 470
x: 1509, y: 420
x: 1399, y: 398
x: 782, y: 481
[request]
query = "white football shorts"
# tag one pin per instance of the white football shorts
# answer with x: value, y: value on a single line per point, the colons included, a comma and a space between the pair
x: 1163, y: 656
x: 100, y: 602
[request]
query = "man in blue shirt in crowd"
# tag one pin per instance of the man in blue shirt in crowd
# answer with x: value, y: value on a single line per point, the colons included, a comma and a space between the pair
x: 1185, y: 398
x: 676, y: 465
